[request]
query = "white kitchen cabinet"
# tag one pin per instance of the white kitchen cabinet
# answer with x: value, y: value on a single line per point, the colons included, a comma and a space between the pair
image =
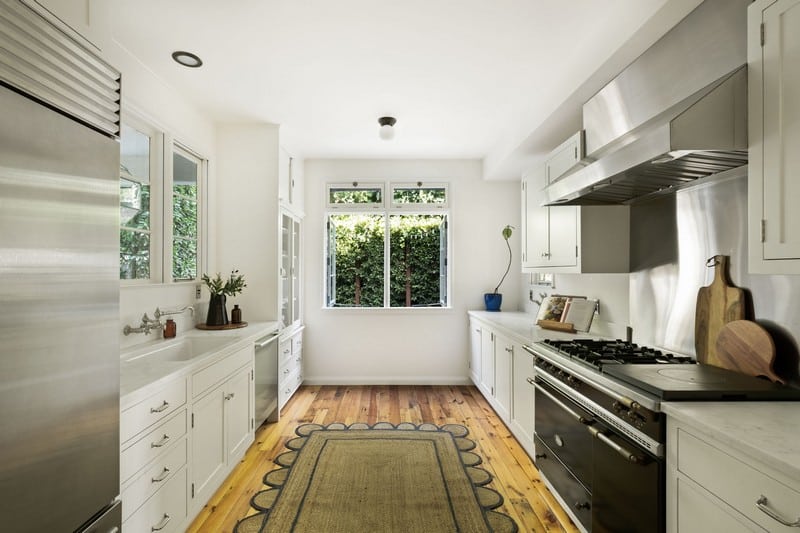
x: 475, y: 351
x: 222, y: 421
x: 571, y: 239
x: 153, y: 452
x: 80, y: 18
x: 290, y: 181
x: 499, y: 368
x: 565, y: 158
x: 503, y: 356
x: 522, y: 401
x: 290, y: 364
x: 289, y: 287
x: 774, y: 134
x: 714, y: 487
x: 487, y: 361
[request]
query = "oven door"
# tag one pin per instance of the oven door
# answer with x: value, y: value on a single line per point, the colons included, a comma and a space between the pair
x: 564, y: 450
x: 629, y: 486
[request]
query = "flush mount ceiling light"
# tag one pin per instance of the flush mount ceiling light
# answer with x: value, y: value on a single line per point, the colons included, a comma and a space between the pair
x: 387, y: 127
x: 187, y: 59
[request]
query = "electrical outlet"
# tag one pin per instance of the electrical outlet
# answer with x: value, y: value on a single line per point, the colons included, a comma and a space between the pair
x: 198, y: 291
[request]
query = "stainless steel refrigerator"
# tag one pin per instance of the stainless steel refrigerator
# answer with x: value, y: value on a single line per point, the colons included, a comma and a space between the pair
x: 59, y: 283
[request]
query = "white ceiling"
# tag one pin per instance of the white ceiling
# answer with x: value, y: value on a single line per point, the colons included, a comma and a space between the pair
x: 465, y: 79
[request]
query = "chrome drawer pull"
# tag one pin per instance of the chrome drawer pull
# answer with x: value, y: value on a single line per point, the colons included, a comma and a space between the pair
x: 162, y: 477
x: 163, y: 407
x: 164, y: 440
x: 762, y: 502
x: 161, y: 525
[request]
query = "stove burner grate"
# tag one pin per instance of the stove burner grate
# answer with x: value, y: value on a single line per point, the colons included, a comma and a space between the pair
x: 597, y: 353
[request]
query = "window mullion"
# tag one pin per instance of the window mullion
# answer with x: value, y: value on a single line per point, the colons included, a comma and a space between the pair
x: 387, y: 235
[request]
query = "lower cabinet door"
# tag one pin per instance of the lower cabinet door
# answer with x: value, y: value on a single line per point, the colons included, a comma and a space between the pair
x: 164, y: 511
x: 238, y: 415
x: 208, y: 443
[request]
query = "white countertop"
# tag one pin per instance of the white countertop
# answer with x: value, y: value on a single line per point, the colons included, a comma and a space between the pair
x: 142, y: 376
x: 766, y: 431
x: 522, y: 326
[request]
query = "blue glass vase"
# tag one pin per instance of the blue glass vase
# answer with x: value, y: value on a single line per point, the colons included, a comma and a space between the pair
x: 492, y: 300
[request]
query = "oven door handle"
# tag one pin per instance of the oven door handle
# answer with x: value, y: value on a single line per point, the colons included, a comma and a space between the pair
x: 624, y: 452
x: 573, y: 414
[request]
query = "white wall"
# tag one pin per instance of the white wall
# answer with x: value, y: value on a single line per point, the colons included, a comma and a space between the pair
x: 149, y: 97
x: 420, y: 346
x: 611, y: 290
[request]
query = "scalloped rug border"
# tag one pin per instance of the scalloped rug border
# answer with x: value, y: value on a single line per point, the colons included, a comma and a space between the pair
x: 269, y: 500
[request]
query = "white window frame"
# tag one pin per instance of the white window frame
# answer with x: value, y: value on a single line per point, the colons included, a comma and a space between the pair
x: 356, y: 185
x: 162, y: 146
x: 202, y: 166
x: 387, y: 208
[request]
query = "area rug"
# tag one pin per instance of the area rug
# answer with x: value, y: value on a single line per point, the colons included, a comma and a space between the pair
x: 380, y: 478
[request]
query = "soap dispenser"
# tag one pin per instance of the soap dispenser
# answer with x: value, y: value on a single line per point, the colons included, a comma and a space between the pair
x: 170, y: 329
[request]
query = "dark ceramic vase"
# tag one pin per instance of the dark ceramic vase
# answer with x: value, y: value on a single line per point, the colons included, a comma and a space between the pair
x: 217, y: 313
x: 493, y: 300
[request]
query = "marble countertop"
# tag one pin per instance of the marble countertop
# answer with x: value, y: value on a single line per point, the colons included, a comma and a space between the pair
x: 522, y: 326
x: 141, y: 376
x: 766, y: 431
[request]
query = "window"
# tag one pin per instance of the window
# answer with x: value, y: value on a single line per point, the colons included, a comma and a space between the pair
x: 138, y: 256
x: 387, y: 258
x: 160, y: 207
x: 185, y: 215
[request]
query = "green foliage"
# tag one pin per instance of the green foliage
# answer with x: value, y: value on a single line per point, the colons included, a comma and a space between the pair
x: 230, y: 287
x: 414, y: 259
x: 419, y: 196
x: 134, y: 246
x: 355, y: 196
x: 184, y: 233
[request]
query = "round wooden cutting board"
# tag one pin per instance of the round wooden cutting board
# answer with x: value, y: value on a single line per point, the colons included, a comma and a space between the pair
x: 747, y: 348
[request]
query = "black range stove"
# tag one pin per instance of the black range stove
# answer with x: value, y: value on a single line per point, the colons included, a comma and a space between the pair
x: 600, y: 434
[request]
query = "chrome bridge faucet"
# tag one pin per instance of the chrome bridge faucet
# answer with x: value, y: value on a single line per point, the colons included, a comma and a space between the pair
x: 147, y: 325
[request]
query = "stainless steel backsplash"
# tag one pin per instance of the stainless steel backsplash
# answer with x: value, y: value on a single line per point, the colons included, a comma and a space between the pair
x: 671, y: 239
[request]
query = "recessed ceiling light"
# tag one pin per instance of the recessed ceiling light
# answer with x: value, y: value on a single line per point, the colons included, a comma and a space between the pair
x: 187, y: 59
x: 386, y: 130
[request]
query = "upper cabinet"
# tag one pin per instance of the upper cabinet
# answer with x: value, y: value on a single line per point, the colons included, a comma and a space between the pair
x: 565, y: 158
x: 571, y: 239
x: 77, y: 17
x: 774, y: 135
x: 290, y: 182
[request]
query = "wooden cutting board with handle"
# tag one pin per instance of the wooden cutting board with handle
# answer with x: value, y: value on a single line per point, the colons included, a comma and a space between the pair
x: 747, y: 348
x: 717, y: 304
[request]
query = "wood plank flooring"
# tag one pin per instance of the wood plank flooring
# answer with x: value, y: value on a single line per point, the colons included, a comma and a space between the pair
x: 526, y: 498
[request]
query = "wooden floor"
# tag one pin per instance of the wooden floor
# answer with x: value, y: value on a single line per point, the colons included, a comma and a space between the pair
x: 526, y: 499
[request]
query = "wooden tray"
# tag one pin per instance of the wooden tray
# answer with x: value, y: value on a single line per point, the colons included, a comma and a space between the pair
x: 226, y: 326
x: 556, y: 326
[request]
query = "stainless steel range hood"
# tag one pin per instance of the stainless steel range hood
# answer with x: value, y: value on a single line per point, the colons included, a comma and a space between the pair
x: 676, y: 114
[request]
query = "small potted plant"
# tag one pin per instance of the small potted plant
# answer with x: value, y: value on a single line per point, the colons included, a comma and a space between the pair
x: 494, y: 299
x: 220, y: 290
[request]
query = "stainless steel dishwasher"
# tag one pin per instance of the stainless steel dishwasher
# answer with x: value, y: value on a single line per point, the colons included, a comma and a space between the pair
x: 266, y: 378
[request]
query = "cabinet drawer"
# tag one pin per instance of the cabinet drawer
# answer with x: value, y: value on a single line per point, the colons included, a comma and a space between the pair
x: 297, y: 344
x: 153, y: 478
x: 153, y: 444
x: 155, y: 408
x: 288, y: 386
x: 165, y: 511
x: 217, y: 372
x: 288, y: 367
x: 738, y: 484
x: 284, y: 350
x: 565, y: 157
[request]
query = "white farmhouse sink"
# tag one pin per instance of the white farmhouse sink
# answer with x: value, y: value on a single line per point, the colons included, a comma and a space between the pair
x: 183, y: 349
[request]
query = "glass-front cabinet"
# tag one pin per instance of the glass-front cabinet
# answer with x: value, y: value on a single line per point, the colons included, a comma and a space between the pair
x: 290, y: 270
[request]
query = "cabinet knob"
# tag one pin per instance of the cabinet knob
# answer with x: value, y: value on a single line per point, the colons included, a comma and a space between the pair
x: 545, y: 254
x: 540, y: 456
x: 230, y: 396
x: 582, y: 505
